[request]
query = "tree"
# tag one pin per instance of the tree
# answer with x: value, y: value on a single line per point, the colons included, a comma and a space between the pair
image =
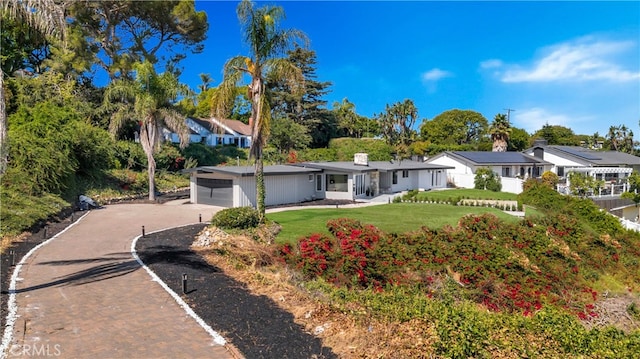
x: 148, y: 99
x: 287, y: 135
x: 620, y: 139
x: 519, y: 140
x: 266, y: 42
x: 45, y: 16
x: 396, y: 123
x: 306, y: 108
x: 455, y: 127
x: 582, y: 184
x: 557, y: 135
x: 486, y: 179
x: 121, y: 33
x: 349, y: 122
x: 500, y: 130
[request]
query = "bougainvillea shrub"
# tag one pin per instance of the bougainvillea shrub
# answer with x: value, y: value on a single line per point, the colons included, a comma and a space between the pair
x: 520, y: 267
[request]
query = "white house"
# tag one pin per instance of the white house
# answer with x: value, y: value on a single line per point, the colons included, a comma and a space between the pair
x: 512, y: 167
x: 611, y: 166
x: 234, y: 186
x: 214, y: 132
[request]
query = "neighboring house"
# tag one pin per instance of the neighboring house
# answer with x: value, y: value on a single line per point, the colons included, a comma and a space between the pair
x: 512, y: 167
x: 214, y: 132
x: 611, y: 166
x: 232, y: 186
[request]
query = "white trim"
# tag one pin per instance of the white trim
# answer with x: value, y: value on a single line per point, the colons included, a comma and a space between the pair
x: 217, y: 338
x: 12, y: 307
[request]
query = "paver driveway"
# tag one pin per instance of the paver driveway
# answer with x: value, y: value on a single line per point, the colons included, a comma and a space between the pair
x: 83, y: 295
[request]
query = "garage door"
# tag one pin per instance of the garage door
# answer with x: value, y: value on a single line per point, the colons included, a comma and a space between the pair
x: 215, y: 192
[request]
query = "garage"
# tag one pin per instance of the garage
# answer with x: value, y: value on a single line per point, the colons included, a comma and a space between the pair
x: 215, y: 192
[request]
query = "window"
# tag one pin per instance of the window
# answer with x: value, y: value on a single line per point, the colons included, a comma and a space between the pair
x: 394, y: 177
x: 506, y: 171
x: 337, y: 183
x: 560, y: 171
x: 318, y: 183
x: 310, y: 178
x: 405, y: 174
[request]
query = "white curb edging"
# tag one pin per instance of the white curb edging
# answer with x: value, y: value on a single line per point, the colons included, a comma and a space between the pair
x: 217, y: 338
x: 12, y: 307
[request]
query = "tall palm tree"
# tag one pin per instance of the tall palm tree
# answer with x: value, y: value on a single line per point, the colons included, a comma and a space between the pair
x: 268, y: 45
x: 47, y: 17
x: 500, y: 131
x: 148, y: 99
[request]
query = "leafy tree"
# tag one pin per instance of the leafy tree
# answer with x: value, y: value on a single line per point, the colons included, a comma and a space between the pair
x: 396, y: 123
x: 148, y: 100
x: 500, y: 131
x: 306, y: 108
x: 45, y: 16
x: 519, y: 140
x: 620, y: 138
x: 456, y: 127
x: 287, y: 135
x: 350, y: 123
x: 582, y: 184
x: 122, y: 33
x: 557, y: 135
x: 266, y: 42
x: 487, y: 179
x: 550, y: 179
x: 22, y: 46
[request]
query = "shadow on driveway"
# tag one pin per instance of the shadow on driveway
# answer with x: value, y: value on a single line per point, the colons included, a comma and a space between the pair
x: 255, y: 325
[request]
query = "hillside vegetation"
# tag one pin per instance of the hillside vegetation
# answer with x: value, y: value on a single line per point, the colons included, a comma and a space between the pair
x: 563, y: 284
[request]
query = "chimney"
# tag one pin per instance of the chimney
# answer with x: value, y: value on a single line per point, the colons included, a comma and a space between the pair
x: 361, y: 159
x: 540, y: 142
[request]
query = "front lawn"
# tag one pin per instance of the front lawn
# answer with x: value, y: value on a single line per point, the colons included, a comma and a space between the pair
x: 394, y: 217
x: 469, y: 193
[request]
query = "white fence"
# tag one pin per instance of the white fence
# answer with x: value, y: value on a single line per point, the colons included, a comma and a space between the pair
x: 630, y: 224
x: 509, y: 184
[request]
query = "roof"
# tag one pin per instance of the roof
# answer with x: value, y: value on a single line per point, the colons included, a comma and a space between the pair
x: 383, y: 166
x: 485, y: 158
x: 239, y: 127
x: 595, y: 158
x: 232, y: 125
x: 247, y: 171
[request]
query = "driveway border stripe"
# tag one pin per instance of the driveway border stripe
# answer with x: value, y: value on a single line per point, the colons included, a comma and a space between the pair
x: 12, y: 308
x: 217, y: 338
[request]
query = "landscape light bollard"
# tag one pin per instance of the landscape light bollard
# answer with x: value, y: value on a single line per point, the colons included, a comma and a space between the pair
x: 200, y: 218
x: 13, y: 258
x: 184, y: 283
x: 143, y: 231
x: 44, y: 234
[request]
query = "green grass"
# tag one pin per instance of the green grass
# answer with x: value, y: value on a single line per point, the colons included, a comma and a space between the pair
x: 394, y: 217
x: 466, y: 193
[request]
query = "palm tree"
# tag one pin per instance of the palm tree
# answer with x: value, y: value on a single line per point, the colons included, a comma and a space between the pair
x: 266, y: 42
x: 47, y: 17
x: 500, y: 130
x: 148, y: 99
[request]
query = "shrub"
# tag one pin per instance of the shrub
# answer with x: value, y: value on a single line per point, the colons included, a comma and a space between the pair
x: 236, y: 218
x: 488, y: 180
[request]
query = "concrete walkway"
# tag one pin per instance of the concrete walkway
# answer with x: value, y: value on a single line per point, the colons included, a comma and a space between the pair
x: 83, y: 295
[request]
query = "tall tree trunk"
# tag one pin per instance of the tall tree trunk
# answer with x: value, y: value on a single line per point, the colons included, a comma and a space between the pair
x: 4, y: 146
x: 147, y: 139
x: 260, y: 189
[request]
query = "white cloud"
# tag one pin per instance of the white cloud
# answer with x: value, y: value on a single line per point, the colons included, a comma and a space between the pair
x: 435, y: 75
x: 533, y: 119
x: 584, y: 59
x: 491, y: 64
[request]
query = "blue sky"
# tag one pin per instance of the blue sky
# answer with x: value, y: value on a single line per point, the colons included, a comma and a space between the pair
x: 574, y: 64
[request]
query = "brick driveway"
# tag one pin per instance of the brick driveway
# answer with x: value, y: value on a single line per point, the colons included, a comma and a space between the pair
x: 83, y: 295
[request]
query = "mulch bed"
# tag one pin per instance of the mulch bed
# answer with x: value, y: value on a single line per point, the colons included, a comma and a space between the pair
x: 255, y: 325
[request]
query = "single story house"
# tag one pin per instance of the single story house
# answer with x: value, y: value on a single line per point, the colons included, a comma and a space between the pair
x: 214, y: 132
x: 611, y: 166
x: 235, y: 186
x: 512, y: 167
